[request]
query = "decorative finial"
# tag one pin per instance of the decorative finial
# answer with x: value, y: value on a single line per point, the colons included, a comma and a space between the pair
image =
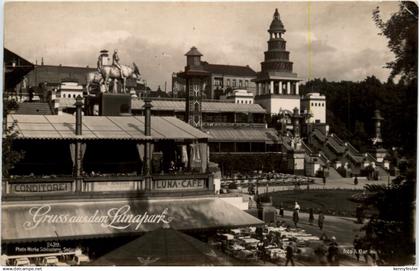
x: 276, y: 15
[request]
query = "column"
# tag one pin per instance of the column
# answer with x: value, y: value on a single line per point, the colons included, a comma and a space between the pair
x: 271, y: 87
x: 297, y: 88
x: 280, y: 87
x: 288, y: 87
x: 258, y: 88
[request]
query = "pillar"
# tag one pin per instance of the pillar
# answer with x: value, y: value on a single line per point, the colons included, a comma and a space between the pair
x: 257, y: 85
x: 271, y: 87
x: 78, y: 148
x: 297, y: 88
x: 147, y: 164
x: 280, y: 87
x: 288, y: 87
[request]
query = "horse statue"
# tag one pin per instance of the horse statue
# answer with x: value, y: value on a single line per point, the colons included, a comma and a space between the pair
x: 116, y: 74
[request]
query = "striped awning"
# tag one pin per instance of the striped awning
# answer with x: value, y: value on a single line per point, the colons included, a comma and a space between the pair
x: 207, y: 107
x: 102, y: 127
x: 243, y: 134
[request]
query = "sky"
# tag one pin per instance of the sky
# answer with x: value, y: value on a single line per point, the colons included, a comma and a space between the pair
x: 332, y: 40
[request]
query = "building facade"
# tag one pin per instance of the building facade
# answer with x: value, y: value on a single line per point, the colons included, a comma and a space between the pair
x: 315, y: 105
x: 221, y: 80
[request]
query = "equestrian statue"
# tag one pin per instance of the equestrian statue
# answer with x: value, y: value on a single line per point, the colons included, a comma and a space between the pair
x: 116, y: 72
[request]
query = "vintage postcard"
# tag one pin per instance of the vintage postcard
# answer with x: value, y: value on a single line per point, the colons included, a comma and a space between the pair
x: 209, y: 133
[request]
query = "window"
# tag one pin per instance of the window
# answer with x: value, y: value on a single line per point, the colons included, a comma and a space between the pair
x: 240, y: 83
x: 234, y: 83
x: 312, y: 104
x: 246, y: 83
x: 228, y: 82
x: 218, y: 81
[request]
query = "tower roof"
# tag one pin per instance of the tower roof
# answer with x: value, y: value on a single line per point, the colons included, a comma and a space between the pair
x: 193, y: 52
x: 276, y: 25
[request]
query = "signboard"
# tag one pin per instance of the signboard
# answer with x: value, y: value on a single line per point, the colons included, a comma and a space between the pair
x: 41, y: 188
x: 114, y: 186
x: 178, y: 185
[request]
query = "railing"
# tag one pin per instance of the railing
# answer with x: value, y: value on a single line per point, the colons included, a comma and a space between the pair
x: 238, y: 124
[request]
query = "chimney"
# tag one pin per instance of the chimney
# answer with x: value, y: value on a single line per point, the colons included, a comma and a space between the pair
x: 79, y: 104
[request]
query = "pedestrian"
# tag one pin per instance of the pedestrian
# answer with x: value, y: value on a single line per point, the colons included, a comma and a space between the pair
x: 297, y: 206
x: 320, y: 252
x: 311, y: 216
x: 324, y: 180
x: 289, y: 254
x: 295, y: 217
x: 356, y: 182
x: 357, y: 246
x: 321, y: 219
x: 332, y: 256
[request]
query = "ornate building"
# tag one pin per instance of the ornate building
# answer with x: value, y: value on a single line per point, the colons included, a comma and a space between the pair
x: 277, y: 84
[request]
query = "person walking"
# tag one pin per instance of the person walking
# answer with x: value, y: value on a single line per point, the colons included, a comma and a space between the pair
x: 295, y: 217
x: 332, y: 256
x: 297, y: 206
x: 289, y: 254
x: 320, y: 252
x: 357, y: 246
x: 311, y: 216
x: 356, y: 181
x: 321, y: 219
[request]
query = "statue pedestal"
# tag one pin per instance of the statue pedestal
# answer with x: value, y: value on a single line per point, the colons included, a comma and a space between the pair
x: 111, y: 104
x: 296, y: 162
x: 379, y: 154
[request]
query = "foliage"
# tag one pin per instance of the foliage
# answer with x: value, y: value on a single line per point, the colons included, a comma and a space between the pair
x: 10, y: 156
x: 350, y: 108
x: 401, y: 30
x: 390, y: 230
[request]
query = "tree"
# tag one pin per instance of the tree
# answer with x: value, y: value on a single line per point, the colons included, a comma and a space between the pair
x: 9, y: 155
x: 401, y: 30
x: 390, y: 229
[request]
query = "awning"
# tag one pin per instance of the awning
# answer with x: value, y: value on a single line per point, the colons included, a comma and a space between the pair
x: 243, y: 134
x: 164, y: 247
x: 102, y: 127
x: 107, y: 218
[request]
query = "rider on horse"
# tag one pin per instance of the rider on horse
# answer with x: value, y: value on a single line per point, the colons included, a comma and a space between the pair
x: 116, y: 62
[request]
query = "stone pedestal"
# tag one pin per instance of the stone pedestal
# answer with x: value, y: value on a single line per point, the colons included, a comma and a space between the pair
x: 114, y: 104
x: 296, y: 162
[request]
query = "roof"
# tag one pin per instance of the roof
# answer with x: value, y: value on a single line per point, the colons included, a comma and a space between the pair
x: 276, y: 24
x: 15, y: 68
x: 182, y: 213
x: 101, y: 127
x: 243, y: 134
x: 229, y: 70
x: 207, y: 107
x: 193, y: 52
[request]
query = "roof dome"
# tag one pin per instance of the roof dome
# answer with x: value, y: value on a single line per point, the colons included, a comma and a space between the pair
x: 276, y: 25
x: 193, y: 52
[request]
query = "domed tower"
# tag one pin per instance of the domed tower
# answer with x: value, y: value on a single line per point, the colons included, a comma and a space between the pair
x: 277, y: 84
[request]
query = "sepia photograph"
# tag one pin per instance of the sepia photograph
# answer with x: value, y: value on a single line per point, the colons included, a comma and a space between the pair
x: 185, y: 133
